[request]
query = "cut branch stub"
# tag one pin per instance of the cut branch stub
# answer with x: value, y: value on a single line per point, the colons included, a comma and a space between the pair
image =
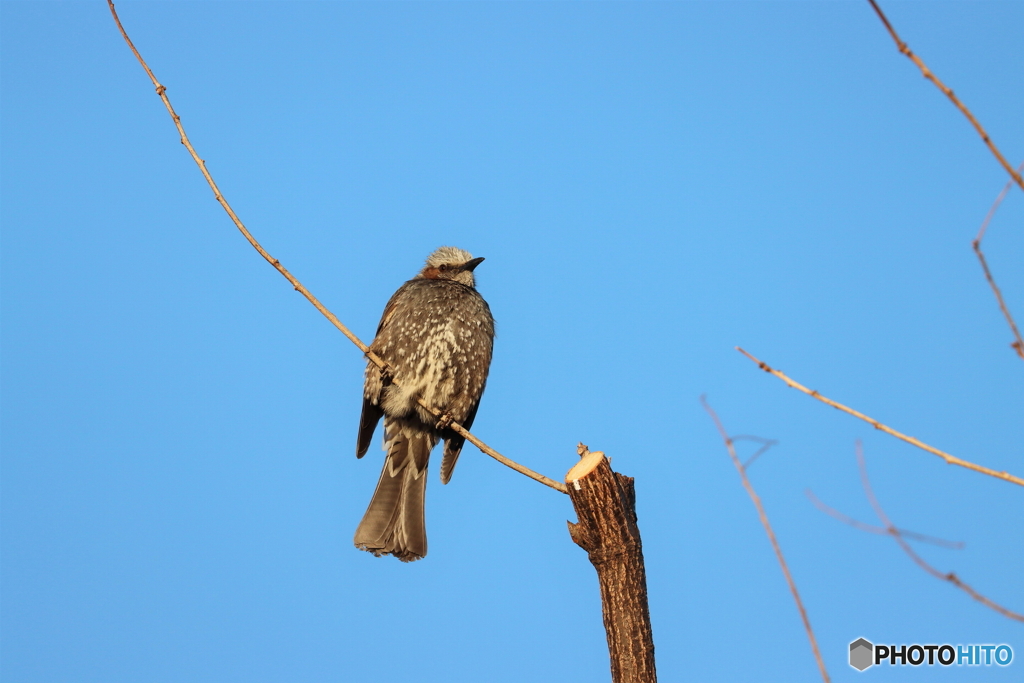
x: 605, y: 503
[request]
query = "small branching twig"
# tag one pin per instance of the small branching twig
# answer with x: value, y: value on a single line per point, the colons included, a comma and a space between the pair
x: 741, y: 468
x: 1017, y: 345
x: 902, y: 47
x: 766, y: 445
x: 898, y: 536
x: 374, y: 358
x: 950, y: 460
x: 881, y: 531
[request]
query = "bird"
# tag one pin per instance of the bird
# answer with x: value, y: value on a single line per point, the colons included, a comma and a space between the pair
x: 436, y: 336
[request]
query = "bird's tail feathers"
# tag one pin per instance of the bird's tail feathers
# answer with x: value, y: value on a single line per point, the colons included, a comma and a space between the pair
x: 394, y: 521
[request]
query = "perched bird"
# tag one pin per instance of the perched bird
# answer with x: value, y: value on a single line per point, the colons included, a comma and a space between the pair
x: 436, y: 335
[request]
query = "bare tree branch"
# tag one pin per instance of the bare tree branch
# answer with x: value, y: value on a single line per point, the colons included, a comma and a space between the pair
x: 729, y: 444
x: 766, y: 445
x: 950, y: 460
x: 374, y: 358
x: 1018, y: 345
x: 881, y: 531
x: 895, y: 533
x: 902, y: 47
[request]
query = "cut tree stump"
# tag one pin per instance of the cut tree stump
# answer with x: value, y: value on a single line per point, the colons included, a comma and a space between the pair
x: 605, y: 503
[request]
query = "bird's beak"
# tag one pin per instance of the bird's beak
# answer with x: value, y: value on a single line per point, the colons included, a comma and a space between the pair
x: 470, y: 265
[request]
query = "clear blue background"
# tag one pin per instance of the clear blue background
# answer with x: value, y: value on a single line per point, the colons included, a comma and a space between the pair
x: 651, y: 184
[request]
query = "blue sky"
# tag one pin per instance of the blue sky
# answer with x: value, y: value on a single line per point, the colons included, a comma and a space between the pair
x: 651, y: 184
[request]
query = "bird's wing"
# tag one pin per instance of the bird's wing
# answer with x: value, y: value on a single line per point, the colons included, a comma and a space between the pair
x: 393, y: 304
x: 372, y: 412
x: 368, y: 420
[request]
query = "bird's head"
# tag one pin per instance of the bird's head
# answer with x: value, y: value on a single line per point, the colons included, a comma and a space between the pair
x: 451, y: 263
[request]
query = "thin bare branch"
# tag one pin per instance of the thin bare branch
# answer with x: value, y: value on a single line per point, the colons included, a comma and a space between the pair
x: 949, y: 93
x: 729, y: 445
x: 374, y: 358
x: 918, y: 560
x: 882, y: 531
x: 766, y: 445
x: 1017, y: 345
x: 950, y: 460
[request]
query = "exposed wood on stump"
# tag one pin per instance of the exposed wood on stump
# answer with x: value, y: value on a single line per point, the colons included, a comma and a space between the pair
x: 605, y: 503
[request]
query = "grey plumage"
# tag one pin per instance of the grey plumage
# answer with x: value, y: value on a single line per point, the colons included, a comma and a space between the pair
x: 436, y: 334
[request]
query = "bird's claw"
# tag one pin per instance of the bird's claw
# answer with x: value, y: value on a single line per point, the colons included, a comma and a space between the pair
x: 444, y: 421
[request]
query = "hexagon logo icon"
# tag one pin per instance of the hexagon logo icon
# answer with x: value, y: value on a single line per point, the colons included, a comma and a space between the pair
x: 861, y: 654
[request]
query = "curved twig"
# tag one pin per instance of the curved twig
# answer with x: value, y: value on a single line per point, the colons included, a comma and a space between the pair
x: 902, y: 47
x: 1017, y: 345
x: 918, y: 560
x: 766, y: 445
x: 881, y: 531
x: 374, y: 358
x: 729, y: 445
x: 950, y: 459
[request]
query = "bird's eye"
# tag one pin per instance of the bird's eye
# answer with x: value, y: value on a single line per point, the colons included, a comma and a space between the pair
x: 443, y: 267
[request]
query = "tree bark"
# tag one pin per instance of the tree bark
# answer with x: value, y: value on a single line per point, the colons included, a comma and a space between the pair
x: 605, y: 503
